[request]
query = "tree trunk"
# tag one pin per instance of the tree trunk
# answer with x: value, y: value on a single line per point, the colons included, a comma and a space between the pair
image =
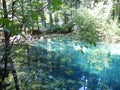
x: 43, y: 18
x: 6, y: 54
x: 6, y: 51
x: 6, y: 33
x: 56, y: 19
x: 50, y: 19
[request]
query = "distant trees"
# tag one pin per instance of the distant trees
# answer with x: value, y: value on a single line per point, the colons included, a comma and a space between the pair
x: 116, y: 9
x: 17, y: 16
x: 32, y: 14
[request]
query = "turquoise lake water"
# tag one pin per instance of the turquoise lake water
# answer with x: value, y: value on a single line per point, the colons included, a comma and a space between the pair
x: 98, y: 64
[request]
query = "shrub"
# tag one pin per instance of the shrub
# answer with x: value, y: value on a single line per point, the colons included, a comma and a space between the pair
x: 66, y: 28
x: 96, y: 23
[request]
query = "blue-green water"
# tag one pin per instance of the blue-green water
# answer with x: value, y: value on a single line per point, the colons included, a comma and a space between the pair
x: 95, y: 67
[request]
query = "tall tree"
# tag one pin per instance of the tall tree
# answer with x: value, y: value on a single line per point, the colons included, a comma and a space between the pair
x: 7, y: 24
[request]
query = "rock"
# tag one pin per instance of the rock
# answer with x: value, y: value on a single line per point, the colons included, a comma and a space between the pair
x: 83, y: 88
x: 50, y: 77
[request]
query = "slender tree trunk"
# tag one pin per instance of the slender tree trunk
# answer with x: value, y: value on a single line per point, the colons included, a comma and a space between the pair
x: 50, y: 19
x: 118, y: 9
x: 43, y: 18
x: 7, y: 49
x: 65, y: 18
x: 1, y: 85
x: 7, y: 34
x: 50, y: 13
x: 14, y: 73
x: 38, y: 27
x: 56, y: 19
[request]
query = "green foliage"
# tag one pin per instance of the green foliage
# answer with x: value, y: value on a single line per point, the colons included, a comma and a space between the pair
x: 54, y: 4
x: 99, y: 60
x: 96, y: 24
x: 66, y: 28
x: 12, y: 26
x: 87, y: 26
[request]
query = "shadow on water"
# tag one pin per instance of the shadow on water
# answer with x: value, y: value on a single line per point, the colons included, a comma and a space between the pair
x: 61, y: 63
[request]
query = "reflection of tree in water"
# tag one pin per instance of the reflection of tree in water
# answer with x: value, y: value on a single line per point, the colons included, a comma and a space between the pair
x: 99, y: 60
x: 61, y: 69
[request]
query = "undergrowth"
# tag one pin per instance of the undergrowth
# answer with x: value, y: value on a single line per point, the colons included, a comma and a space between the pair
x: 96, y: 23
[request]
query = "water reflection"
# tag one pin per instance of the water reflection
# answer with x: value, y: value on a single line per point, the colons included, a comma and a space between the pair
x: 90, y: 67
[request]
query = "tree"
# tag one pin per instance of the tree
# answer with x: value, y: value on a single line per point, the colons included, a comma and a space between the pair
x: 6, y: 56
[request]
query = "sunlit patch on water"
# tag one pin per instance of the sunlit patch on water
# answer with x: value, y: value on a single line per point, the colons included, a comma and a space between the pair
x: 115, y: 49
x: 72, y: 59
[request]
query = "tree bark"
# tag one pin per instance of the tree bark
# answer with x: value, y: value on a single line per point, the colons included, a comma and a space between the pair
x: 6, y: 33
x: 6, y: 52
x: 7, y: 49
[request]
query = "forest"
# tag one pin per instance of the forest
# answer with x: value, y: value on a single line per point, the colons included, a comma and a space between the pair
x: 59, y: 44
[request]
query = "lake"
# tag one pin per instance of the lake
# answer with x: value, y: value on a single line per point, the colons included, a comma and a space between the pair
x: 69, y: 64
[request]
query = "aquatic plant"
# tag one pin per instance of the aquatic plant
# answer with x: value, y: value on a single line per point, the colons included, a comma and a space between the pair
x: 99, y: 61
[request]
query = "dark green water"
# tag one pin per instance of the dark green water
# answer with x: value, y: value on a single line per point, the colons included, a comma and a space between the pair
x: 95, y: 67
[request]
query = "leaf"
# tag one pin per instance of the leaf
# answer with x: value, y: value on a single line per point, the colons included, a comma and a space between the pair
x: 94, y: 43
x: 86, y: 46
x: 5, y: 22
x: 82, y: 51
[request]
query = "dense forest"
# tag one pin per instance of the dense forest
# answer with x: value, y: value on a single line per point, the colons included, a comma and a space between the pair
x: 39, y: 43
